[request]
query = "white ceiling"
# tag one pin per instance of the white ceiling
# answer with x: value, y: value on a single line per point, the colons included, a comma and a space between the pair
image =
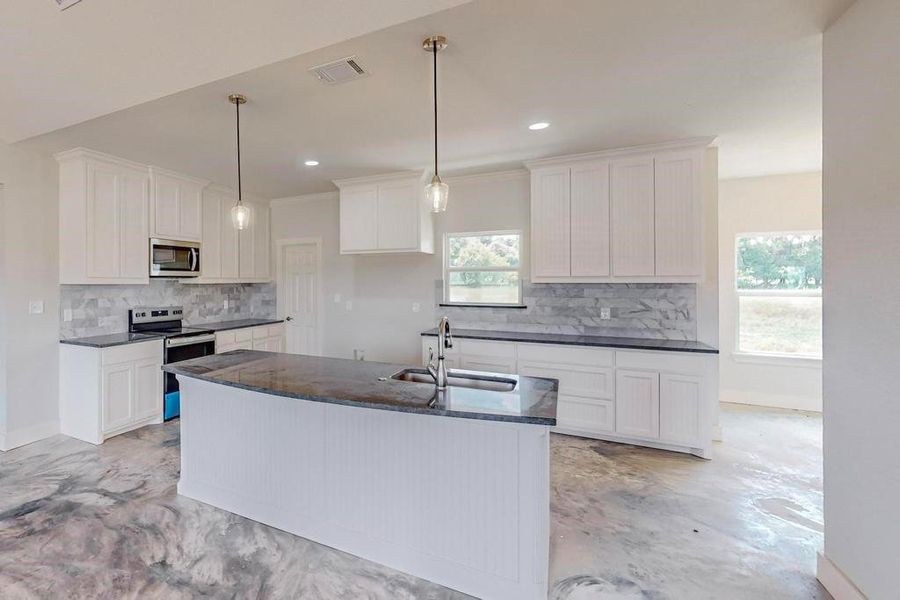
x: 100, y: 56
x: 605, y: 74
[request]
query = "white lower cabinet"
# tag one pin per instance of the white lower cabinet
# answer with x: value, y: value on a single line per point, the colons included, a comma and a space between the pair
x: 637, y: 401
x: 269, y: 338
x: 651, y: 398
x: 108, y: 391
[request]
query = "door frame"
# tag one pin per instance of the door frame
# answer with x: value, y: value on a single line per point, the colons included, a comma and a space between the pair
x: 280, y: 245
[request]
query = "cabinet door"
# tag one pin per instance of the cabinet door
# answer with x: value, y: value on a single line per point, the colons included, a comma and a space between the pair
x: 103, y: 221
x: 165, y: 207
x: 133, y: 229
x: 247, y: 245
x: 398, y: 216
x: 190, y: 210
x: 148, y: 389
x: 117, y: 395
x: 359, y: 219
x: 590, y: 220
x: 550, y: 222
x: 631, y: 197
x: 230, y: 244
x: 585, y: 414
x: 678, y: 214
x: 679, y: 408
x: 261, y: 242
x: 637, y: 403
x: 211, y: 254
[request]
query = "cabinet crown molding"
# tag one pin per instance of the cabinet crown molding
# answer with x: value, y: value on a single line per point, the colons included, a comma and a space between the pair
x: 684, y: 144
x: 81, y: 153
x: 154, y: 170
x: 396, y: 176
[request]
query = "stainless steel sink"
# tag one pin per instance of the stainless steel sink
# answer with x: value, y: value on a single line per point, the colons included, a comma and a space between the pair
x: 461, y: 378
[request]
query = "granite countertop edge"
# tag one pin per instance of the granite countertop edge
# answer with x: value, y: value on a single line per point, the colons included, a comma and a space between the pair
x: 123, y: 338
x: 596, y: 341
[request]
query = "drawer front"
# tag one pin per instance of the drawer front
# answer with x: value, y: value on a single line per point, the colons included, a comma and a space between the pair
x: 223, y: 340
x: 565, y: 355
x: 486, y: 348
x: 671, y: 362
x: 260, y: 333
x: 243, y: 335
x: 430, y: 343
x: 132, y: 352
x: 275, y: 330
x: 585, y: 414
x: 584, y: 382
x: 489, y: 364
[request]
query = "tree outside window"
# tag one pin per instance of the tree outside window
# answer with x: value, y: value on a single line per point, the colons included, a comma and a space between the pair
x: 482, y: 268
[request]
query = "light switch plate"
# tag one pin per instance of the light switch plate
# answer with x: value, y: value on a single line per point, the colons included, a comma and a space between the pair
x: 36, y: 307
x: 604, y: 313
x: 416, y: 307
x: 348, y: 305
x: 67, y: 315
x: 337, y: 298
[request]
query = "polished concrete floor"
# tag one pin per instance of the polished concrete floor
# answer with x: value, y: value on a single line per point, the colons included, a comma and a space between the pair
x: 78, y: 521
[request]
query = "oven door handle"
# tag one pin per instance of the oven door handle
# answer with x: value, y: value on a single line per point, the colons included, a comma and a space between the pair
x: 197, y: 339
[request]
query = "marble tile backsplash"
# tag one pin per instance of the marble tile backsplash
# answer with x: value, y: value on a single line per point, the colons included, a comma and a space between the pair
x: 102, y: 309
x: 637, y: 310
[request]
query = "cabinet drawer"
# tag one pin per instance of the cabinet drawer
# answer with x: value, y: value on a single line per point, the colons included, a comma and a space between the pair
x: 260, y: 333
x: 584, y: 382
x: 132, y: 352
x: 224, y: 339
x: 489, y: 364
x: 486, y: 348
x: 243, y: 335
x: 565, y: 355
x: 672, y: 362
x: 585, y: 414
x: 275, y: 330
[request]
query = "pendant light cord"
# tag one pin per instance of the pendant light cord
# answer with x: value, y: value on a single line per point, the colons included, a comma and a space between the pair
x: 237, y: 109
x: 434, y: 50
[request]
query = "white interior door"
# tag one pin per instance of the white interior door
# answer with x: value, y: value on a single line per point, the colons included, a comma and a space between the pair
x: 299, y: 284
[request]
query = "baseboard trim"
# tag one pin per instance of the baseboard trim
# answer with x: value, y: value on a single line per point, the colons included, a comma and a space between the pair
x: 27, y: 435
x: 834, y: 580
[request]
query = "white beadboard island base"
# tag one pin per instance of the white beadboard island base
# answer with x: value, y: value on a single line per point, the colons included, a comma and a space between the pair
x: 461, y: 502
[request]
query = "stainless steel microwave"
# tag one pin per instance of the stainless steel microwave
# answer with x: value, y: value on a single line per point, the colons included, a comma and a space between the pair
x: 172, y: 258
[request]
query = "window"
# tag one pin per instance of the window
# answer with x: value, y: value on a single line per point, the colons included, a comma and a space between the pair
x: 779, y: 293
x: 483, y: 268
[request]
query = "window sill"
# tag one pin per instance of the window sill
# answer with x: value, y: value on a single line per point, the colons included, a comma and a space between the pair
x: 777, y: 360
x: 460, y: 305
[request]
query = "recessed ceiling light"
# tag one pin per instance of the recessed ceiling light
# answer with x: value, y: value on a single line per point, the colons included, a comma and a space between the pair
x: 538, y: 126
x: 311, y: 163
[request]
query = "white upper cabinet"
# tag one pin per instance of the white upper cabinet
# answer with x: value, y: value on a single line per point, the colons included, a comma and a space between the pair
x: 626, y: 215
x: 678, y: 213
x: 385, y: 214
x: 228, y: 255
x: 103, y: 212
x: 631, y: 200
x: 176, y: 205
x: 550, y: 222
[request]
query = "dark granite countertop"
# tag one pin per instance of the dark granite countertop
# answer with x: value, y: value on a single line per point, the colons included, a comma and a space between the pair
x: 581, y: 340
x: 237, y: 324
x: 363, y: 384
x: 112, y: 339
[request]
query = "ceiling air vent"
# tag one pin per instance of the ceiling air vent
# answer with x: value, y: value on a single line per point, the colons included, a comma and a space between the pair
x: 339, y: 71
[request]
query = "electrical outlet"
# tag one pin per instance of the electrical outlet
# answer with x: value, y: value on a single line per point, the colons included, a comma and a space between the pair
x: 416, y: 307
x: 359, y: 354
x: 36, y: 307
x: 225, y: 304
x: 67, y: 315
x: 604, y: 313
x: 348, y: 305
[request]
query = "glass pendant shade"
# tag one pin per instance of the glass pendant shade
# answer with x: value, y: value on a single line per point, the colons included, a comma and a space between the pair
x: 240, y: 216
x: 436, y: 193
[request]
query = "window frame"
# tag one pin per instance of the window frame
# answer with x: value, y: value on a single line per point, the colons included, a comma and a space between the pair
x: 447, y: 269
x: 777, y: 358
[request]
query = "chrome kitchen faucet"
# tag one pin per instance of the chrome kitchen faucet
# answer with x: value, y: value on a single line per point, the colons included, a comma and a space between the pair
x: 445, y: 340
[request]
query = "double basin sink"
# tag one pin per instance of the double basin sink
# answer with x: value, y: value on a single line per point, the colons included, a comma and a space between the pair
x: 460, y: 378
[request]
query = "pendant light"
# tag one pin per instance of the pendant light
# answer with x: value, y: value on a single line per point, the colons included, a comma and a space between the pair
x: 240, y: 214
x: 436, y: 192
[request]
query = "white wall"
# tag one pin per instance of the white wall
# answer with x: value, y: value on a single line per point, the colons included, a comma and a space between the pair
x: 383, y: 288
x: 760, y: 204
x: 862, y: 296
x: 28, y: 244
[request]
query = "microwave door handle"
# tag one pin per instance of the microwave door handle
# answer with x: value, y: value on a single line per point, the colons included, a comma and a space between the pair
x: 194, y: 257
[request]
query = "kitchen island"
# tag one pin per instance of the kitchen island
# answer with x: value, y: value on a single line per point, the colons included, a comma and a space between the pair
x: 452, y: 487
